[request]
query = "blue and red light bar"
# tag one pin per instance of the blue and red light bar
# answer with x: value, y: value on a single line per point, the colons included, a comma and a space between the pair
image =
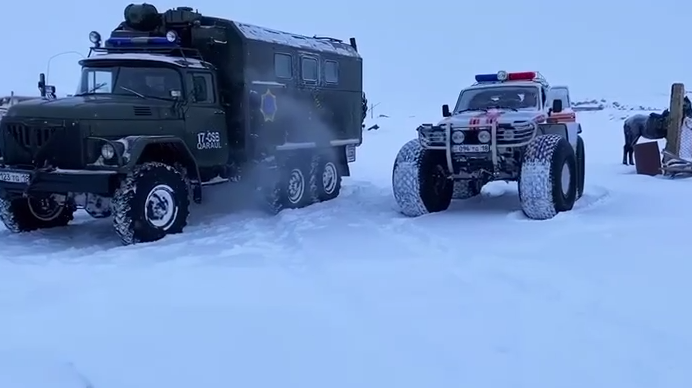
x: 503, y: 76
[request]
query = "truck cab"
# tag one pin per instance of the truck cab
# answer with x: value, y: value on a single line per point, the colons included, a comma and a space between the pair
x: 140, y: 94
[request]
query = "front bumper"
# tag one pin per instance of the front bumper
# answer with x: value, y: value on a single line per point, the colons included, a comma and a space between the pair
x: 16, y: 181
x: 471, y: 158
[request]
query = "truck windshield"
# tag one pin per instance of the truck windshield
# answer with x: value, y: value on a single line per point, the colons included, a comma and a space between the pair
x: 158, y: 82
x: 508, y: 97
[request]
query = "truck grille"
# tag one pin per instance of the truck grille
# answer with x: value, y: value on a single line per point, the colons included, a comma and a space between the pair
x: 509, y: 135
x: 30, y: 142
x: 31, y: 138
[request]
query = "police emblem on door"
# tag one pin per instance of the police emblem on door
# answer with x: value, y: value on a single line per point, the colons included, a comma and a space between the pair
x: 268, y: 106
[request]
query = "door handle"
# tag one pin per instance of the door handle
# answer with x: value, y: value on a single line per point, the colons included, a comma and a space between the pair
x: 219, y: 112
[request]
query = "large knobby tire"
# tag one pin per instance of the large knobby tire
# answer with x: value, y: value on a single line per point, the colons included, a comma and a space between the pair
x: 29, y: 214
x: 465, y: 189
x: 581, y: 167
x: 420, y: 181
x: 325, y: 178
x: 288, y: 188
x: 152, y: 201
x: 548, y: 178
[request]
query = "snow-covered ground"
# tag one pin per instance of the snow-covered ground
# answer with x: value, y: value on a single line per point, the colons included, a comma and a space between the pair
x: 350, y: 294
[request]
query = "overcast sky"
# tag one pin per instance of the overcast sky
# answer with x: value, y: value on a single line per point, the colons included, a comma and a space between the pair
x: 415, y: 53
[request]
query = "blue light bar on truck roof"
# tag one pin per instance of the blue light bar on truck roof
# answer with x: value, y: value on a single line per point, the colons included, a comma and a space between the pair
x: 139, y: 41
x: 170, y: 40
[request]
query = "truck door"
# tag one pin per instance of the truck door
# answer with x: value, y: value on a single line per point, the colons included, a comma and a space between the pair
x: 567, y: 116
x: 206, y: 133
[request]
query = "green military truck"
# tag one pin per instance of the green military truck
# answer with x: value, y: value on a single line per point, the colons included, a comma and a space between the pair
x: 173, y: 101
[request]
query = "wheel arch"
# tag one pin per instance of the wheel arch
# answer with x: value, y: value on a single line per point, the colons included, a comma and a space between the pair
x: 164, y: 149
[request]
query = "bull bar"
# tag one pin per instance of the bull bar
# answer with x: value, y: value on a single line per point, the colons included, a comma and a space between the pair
x: 494, y: 146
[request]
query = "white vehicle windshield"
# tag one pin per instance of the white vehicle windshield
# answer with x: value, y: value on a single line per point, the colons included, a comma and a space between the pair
x: 506, y: 96
x: 156, y: 82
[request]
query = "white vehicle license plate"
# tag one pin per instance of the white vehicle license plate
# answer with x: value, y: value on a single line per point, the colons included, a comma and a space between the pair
x: 351, y: 153
x: 471, y: 148
x: 14, y: 177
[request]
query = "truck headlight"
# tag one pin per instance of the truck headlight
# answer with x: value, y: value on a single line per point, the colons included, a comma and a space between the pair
x: 484, y: 136
x: 108, y: 151
x: 458, y: 137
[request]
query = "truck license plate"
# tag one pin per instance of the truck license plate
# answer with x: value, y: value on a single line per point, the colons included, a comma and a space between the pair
x: 350, y: 153
x: 14, y: 177
x: 471, y: 148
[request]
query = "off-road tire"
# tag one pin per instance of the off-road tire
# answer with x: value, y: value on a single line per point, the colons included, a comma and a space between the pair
x: 540, y: 182
x: 465, y: 189
x: 420, y: 181
x: 581, y: 167
x: 325, y: 178
x: 278, y: 194
x: 130, y: 203
x: 17, y: 216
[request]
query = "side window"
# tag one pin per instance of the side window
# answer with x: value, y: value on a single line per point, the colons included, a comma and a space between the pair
x: 283, y: 65
x: 331, y: 72
x: 309, y: 69
x: 203, y: 88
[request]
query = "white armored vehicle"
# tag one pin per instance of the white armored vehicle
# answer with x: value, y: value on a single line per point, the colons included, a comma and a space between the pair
x: 506, y: 126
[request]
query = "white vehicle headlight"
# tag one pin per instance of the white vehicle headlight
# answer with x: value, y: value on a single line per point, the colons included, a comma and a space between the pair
x: 107, y: 151
x: 484, y: 136
x: 458, y: 137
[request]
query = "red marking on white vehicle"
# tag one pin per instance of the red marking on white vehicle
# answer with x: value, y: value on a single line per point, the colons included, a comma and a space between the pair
x: 475, y: 121
x: 492, y: 116
x: 569, y: 117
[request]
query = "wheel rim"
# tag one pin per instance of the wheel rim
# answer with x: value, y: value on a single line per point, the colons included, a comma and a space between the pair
x: 296, y: 186
x: 160, y: 208
x: 440, y: 179
x: 329, y: 178
x: 566, y: 179
x: 45, y: 209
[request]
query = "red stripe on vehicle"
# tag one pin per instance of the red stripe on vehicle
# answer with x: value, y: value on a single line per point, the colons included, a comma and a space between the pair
x: 492, y: 116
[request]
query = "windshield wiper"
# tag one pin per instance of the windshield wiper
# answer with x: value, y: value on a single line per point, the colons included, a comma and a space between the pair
x: 140, y: 95
x: 93, y: 90
x: 504, y: 107
x: 144, y: 96
x: 472, y: 110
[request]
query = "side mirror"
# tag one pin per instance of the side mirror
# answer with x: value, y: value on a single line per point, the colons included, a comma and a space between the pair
x: 42, y: 84
x: 445, y: 111
x: 557, y: 106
